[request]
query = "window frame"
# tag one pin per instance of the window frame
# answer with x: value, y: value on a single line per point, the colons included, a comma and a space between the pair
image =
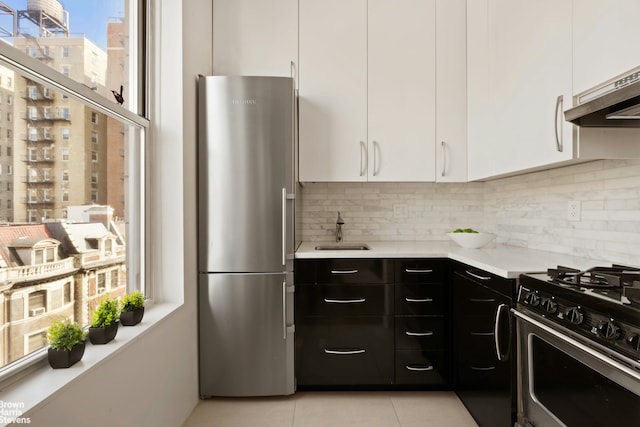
x: 137, y: 121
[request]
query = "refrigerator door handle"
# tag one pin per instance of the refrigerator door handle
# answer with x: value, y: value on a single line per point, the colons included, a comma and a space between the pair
x: 284, y: 310
x: 284, y: 226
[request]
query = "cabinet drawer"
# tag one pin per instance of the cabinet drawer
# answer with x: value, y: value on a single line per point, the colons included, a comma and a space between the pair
x: 506, y: 287
x: 344, y: 351
x: 343, y: 300
x: 354, y: 271
x: 419, y: 299
x: 420, y: 367
x: 426, y: 333
x: 484, y: 375
x: 419, y: 270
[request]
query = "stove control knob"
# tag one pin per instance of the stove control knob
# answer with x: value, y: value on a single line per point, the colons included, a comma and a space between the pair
x: 609, y: 330
x: 575, y: 316
x: 532, y: 299
x: 549, y: 305
x: 634, y: 341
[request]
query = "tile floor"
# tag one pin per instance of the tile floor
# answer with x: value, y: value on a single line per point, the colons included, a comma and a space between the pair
x: 335, y: 409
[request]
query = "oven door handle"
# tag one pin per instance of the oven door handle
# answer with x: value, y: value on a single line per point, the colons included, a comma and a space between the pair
x: 570, y: 341
x: 502, y: 356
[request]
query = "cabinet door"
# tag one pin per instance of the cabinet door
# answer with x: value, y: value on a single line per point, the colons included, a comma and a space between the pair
x: 451, y: 91
x: 602, y: 40
x: 527, y: 63
x: 255, y: 37
x: 333, y: 90
x: 402, y: 92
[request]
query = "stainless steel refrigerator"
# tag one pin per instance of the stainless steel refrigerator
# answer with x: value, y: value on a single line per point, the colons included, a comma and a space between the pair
x: 246, y: 192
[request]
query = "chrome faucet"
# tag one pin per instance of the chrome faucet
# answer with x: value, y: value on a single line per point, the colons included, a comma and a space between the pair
x: 339, y: 224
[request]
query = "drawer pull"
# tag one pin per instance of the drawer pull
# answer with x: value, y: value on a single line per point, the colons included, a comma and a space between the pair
x: 419, y: 368
x: 413, y: 270
x: 482, y: 334
x: 482, y: 299
x: 418, y: 299
x: 419, y: 334
x: 486, y: 368
x: 344, y: 301
x: 476, y: 276
x: 344, y: 352
x: 354, y: 271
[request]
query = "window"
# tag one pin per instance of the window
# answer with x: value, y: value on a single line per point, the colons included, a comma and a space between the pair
x: 40, y: 199
x: 101, y: 283
x: 9, y: 204
x: 9, y: 151
x: 36, y: 341
x: 37, y: 299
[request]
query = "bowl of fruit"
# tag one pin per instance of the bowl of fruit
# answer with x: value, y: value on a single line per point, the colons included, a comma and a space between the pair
x: 470, y: 238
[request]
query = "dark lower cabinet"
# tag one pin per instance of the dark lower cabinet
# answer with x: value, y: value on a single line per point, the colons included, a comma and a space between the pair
x: 371, y: 322
x: 484, y: 382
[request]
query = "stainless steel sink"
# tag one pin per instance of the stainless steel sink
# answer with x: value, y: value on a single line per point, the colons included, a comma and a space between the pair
x: 343, y: 247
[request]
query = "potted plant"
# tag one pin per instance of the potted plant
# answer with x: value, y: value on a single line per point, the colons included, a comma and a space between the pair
x: 104, y: 325
x: 66, y: 340
x: 132, y: 308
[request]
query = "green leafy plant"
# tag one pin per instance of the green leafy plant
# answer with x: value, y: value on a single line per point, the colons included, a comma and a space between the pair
x: 464, y: 230
x: 132, y: 301
x: 63, y: 335
x: 106, y: 313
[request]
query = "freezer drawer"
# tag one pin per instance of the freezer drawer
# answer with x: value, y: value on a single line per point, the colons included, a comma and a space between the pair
x: 246, y: 334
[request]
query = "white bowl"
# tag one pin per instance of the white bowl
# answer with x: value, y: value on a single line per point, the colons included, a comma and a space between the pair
x: 472, y: 240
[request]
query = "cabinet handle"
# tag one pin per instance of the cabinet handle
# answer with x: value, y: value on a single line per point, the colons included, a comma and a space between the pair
x: 354, y: 271
x: 481, y: 334
x: 478, y: 368
x: 476, y: 276
x: 419, y: 334
x: 559, y: 141
x: 344, y: 352
x: 344, y: 301
x: 414, y: 270
x: 444, y: 158
x: 376, y: 163
x: 418, y: 299
x: 419, y: 368
x: 482, y: 300
x: 363, y: 154
x: 502, y: 356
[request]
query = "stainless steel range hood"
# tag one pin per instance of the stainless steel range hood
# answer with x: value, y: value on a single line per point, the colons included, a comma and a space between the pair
x: 615, y: 103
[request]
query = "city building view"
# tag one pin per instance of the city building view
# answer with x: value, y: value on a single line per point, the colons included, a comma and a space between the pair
x: 62, y: 178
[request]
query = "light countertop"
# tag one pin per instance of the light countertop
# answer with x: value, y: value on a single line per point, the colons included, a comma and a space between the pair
x: 502, y: 260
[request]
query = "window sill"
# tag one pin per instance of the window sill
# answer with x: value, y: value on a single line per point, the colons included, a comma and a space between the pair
x: 34, y: 388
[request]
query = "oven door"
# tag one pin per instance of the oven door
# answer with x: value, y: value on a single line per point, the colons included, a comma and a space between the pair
x: 564, y: 382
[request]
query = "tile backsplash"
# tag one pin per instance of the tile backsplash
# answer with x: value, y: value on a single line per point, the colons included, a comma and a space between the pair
x: 528, y: 210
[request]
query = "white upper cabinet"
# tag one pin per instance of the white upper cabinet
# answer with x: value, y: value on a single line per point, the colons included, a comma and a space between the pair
x: 451, y: 91
x: 368, y: 90
x: 401, y: 90
x: 333, y: 90
x: 520, y: 81
x: 605, y: 40
x: 255, y: 37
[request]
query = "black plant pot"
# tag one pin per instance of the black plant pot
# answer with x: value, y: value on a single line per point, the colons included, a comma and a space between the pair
x: 103, y: 335
x: 130, y: 318
x: 65, y: 358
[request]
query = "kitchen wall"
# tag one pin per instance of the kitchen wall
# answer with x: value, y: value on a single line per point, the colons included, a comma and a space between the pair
x: 529, y: 210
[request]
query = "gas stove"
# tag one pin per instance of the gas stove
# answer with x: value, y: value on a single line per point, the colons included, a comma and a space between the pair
x: 601, y: 304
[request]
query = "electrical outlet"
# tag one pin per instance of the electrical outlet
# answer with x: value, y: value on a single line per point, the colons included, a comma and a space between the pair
x: 573, y: 210
x: 400, y: 211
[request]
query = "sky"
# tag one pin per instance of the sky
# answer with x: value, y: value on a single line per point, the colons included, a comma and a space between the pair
x: 88, y: 17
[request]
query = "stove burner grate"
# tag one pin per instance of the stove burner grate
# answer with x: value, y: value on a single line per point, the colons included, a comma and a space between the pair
x: 616, y: 276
